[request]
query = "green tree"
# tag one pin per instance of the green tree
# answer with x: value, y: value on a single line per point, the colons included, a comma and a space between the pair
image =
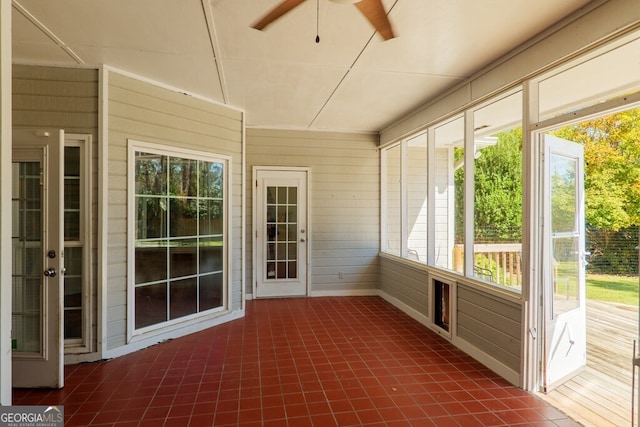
x: 612, y: 186
x: 612, y: 168
x: 497, y: 190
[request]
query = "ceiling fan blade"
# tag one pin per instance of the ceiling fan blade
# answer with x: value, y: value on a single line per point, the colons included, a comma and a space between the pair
x: 284, y: 7
x: 374, y: 12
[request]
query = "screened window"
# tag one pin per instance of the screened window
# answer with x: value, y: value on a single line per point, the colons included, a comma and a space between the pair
x: 417, y: 192
x: 179, y: 236
x: 405, y: 188
x: 449, y: 181
x: 497, y: 192
x: 452, y: 195
x: 393, y: 198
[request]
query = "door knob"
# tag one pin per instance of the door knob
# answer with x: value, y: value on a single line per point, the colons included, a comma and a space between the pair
x: 50, y: 272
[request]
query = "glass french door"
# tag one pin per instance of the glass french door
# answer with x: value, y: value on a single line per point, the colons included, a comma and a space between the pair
x: 564, y: 302
x: 37, y: 243
x: 281, y: 235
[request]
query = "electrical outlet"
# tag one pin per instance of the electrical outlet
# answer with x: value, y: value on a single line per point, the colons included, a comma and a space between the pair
x: 340, y: 275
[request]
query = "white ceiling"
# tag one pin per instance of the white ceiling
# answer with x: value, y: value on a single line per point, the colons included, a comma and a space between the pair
x: 351, y: 81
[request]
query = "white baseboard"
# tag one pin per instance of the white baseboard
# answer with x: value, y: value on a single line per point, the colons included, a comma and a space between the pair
x: 499, y: 368
x: 347, y: 293
x: 410, y: 311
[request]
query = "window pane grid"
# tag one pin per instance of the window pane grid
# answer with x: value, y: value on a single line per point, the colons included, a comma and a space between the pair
x: 74, y: 279
x: 179, y: 237
x: 282, y: 233
x: 27, y: 263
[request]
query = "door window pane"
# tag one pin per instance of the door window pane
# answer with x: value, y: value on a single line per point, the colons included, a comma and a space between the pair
x: 74, y: 277
x: 72, y: 196
x: 564, y: 234
x: 566, y: 273
x: 26, y: 240
x: 282, y: 232
x: 563, y: 194
x: 73, y: 292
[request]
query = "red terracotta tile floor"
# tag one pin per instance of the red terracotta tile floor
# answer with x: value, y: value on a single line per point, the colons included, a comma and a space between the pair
x: 343, y: 361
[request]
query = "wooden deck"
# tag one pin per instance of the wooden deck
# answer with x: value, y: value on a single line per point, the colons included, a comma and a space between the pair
x: 601, y: 395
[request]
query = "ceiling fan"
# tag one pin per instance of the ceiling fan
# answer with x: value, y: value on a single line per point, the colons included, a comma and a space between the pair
x: 371, y: 9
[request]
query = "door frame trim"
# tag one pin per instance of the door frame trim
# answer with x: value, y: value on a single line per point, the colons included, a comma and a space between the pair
x: 254, y: 224
x: 87, y: 348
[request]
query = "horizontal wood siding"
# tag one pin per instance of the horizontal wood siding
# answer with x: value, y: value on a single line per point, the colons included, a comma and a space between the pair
x: 407, y: 284
x: 344, y: 202
x: 142, y: 111
x: 63, y: 98
x: 444, y: 210
x: 56, y: 97
x: 491, y: 324
x: 417, y: 198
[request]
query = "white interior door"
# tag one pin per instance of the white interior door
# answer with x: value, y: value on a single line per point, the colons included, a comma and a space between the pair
x: 281, y: 233
x: 37, y: 337
x: 564, y: 261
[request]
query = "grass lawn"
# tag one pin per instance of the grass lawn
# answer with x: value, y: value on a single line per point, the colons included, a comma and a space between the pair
x: 619, y: 289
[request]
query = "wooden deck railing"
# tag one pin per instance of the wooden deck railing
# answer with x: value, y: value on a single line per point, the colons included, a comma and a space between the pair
x: 496, y: 262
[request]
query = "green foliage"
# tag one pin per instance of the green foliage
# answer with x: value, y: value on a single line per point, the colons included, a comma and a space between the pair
x: 613, y: 252
x: 497, y: 190
x: 612, y: 166
x: 612, y: 187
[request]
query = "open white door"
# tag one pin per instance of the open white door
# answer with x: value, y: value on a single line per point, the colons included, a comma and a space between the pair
x: 564, y: 261
x: 281, y: 233
x: 37, y: 242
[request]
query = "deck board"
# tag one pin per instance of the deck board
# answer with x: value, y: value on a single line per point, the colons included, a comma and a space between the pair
x: 601, y: 394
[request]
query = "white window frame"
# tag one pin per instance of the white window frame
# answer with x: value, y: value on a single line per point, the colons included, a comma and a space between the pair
x: 134, y: 334
x: 467, y: 116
